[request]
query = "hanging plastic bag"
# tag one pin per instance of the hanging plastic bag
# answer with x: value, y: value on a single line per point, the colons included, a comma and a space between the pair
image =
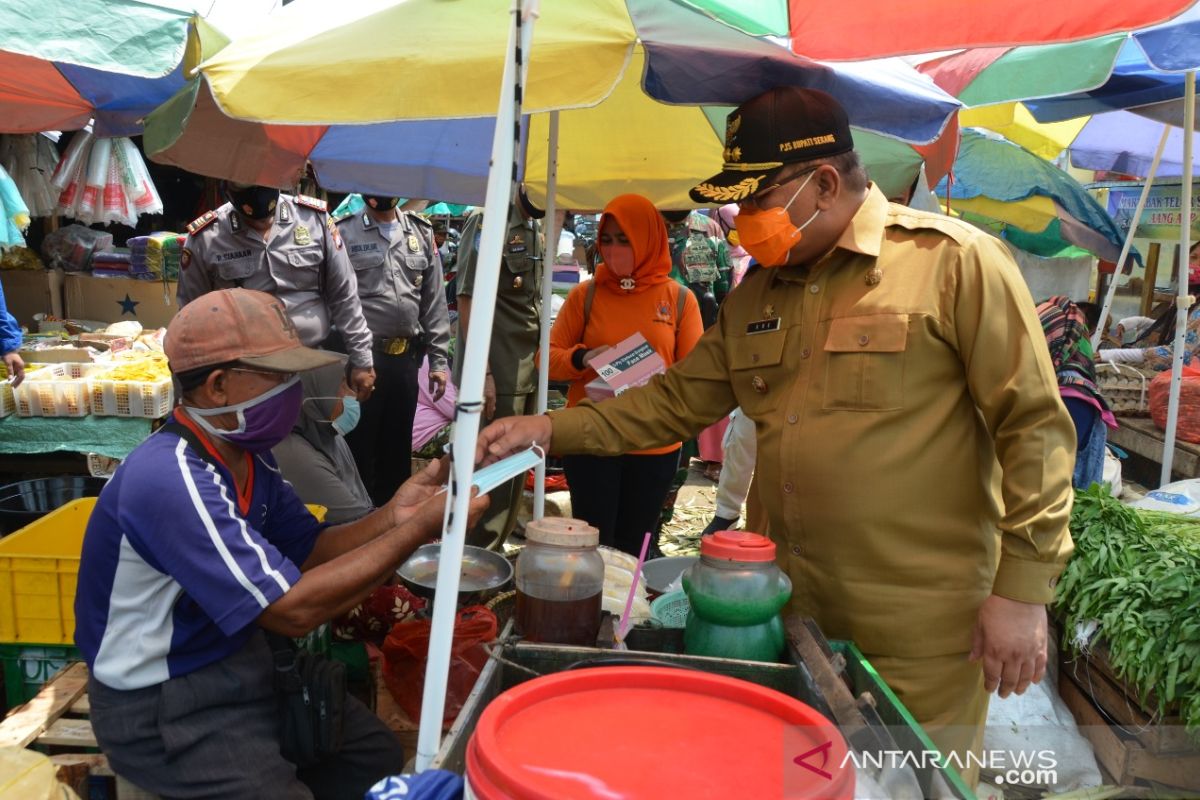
x: 31, y: 161
x: 406, y: 650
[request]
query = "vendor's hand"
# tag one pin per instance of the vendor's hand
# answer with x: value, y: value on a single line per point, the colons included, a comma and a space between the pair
x: 489, y: 397
x: 512, y: 435
x: 595, y: 352
x: 1010, y: 640
x: 15, y: 367
x: 362, y: 381
x: 421, y: 500
x: 437, y: 384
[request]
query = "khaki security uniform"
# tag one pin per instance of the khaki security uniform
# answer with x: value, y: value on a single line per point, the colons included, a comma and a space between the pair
x: 302, y: 262
x: 913, y: 454
x: 513, y: 351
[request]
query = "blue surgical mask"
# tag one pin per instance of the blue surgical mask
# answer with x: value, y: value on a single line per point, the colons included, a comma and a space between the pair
x: 494, y: 475
x: 348, y: 419
x: 351, y: 414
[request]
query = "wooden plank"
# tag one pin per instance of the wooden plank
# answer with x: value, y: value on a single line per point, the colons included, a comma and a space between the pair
x: 96, y: 763
x: 1150, y: 278
x: 69, y: 733
x: 1140, y: 436
x: 24, y: 724
x: 82, y: 707
x: 1111, y: 751
x: 75, y: 775
x: 1160, y: 736
x: 1182, y: 771
x: 1125, y: 758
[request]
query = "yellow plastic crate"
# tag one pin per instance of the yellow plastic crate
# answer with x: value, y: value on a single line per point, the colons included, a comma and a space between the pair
x: 39, y: 567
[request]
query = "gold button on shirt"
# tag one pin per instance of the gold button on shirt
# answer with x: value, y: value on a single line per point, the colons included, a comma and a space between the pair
x: 913, y: 426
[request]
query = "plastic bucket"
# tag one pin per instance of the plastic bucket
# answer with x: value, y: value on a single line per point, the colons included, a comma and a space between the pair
x: 28, y: 501
x: 649, y: 732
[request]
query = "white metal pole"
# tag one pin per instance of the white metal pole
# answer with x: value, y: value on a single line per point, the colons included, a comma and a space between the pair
x: 470, y: 398
x: 1137, y: 215
x: 1181, y: 301
x: 549, y: 257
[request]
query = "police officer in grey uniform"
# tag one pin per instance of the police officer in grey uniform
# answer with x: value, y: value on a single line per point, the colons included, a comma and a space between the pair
x: 511, y: 384
x: 288, y: 247
x: 399, y: 276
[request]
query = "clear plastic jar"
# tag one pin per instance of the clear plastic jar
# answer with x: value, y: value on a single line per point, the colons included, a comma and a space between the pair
x: 736, y: 593
x: 560, y: 582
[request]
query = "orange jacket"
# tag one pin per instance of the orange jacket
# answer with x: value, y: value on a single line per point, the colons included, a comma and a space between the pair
x: 615, y: 317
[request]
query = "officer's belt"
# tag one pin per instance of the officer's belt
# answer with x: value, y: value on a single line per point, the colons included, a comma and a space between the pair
x: 393, y: 347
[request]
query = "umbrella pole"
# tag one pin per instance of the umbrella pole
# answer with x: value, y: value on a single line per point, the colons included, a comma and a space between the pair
x: 1098, y: 334
x: 1182, y: 300
x: 550, y: 255
x: 470, y: 398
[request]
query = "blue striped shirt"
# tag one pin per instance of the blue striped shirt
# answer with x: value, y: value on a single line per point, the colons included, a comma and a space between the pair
x: 177, y: 566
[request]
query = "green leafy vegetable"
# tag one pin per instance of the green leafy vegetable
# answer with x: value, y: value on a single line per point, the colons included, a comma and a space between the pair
x: 1138, y: 574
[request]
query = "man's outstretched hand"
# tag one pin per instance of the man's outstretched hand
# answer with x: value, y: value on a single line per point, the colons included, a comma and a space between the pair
x: 512, y: 435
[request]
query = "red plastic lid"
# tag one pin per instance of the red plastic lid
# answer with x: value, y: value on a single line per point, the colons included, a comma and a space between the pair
x: 737, y: 546
x: 647, y: 732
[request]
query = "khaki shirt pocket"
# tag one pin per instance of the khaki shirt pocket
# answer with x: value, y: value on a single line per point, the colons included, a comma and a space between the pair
x: 238, y: 270
x: 371, y: 274
x: 759, y: 376
x: 864, y: 368
x: 302, y: 272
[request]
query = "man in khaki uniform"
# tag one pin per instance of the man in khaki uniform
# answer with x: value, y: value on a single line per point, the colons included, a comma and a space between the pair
x: 913, y: 456
x: 511, y: 384
x: 399, y: 276
x: 287, y: 247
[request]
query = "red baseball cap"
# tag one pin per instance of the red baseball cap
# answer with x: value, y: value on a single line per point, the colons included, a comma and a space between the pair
x: 238, y: 325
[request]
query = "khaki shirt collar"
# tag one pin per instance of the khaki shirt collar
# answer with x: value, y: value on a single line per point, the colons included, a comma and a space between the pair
x: 864, y: 235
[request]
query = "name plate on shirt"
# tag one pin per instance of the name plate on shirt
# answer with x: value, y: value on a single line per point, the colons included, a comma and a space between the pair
x: 763, y: 326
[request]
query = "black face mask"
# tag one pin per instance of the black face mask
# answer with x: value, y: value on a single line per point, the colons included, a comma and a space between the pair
x: 380, y: 203
x: 253, y: 202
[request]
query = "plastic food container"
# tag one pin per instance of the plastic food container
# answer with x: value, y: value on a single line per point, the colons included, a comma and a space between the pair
x: 560, y: 582
x: 736, y: 593
x: 653, y: 732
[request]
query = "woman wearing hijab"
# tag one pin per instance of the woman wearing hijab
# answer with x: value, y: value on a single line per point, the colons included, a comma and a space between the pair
x: 315, y: 458
x: 1067, y: 334
x: 634, y: 293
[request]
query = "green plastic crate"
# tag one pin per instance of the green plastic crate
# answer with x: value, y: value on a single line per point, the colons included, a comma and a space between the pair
x: 27, y: 667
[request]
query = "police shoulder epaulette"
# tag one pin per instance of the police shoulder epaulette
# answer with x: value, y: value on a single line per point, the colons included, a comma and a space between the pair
x: 340, y: 218
x: 418, y: 218
x: 312, y: 202
x: 201, y: 222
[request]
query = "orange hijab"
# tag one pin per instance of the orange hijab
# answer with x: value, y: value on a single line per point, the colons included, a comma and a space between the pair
x: 643, y: 226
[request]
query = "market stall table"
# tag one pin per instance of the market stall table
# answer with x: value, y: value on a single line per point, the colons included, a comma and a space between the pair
x: 1141, y: 437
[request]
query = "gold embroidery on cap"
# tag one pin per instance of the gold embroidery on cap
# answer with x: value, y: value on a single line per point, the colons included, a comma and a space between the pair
x: 727, y: 194
x: 733, y: 154
x: 731, y: 128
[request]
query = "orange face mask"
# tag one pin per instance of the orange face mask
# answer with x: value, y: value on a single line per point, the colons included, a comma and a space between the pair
x: 769, y: 235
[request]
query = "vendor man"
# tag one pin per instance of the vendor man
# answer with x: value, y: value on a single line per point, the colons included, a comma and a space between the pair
x: 197, y: 545
x: 892, y: 364
x: 286, y: 246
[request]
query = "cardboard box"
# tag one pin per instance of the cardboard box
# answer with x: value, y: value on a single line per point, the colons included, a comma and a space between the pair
x: 30, y: 292
x: 629, y: 363
x: 118, y: 299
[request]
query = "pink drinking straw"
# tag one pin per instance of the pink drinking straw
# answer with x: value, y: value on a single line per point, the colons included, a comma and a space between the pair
x: 623, y: 626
